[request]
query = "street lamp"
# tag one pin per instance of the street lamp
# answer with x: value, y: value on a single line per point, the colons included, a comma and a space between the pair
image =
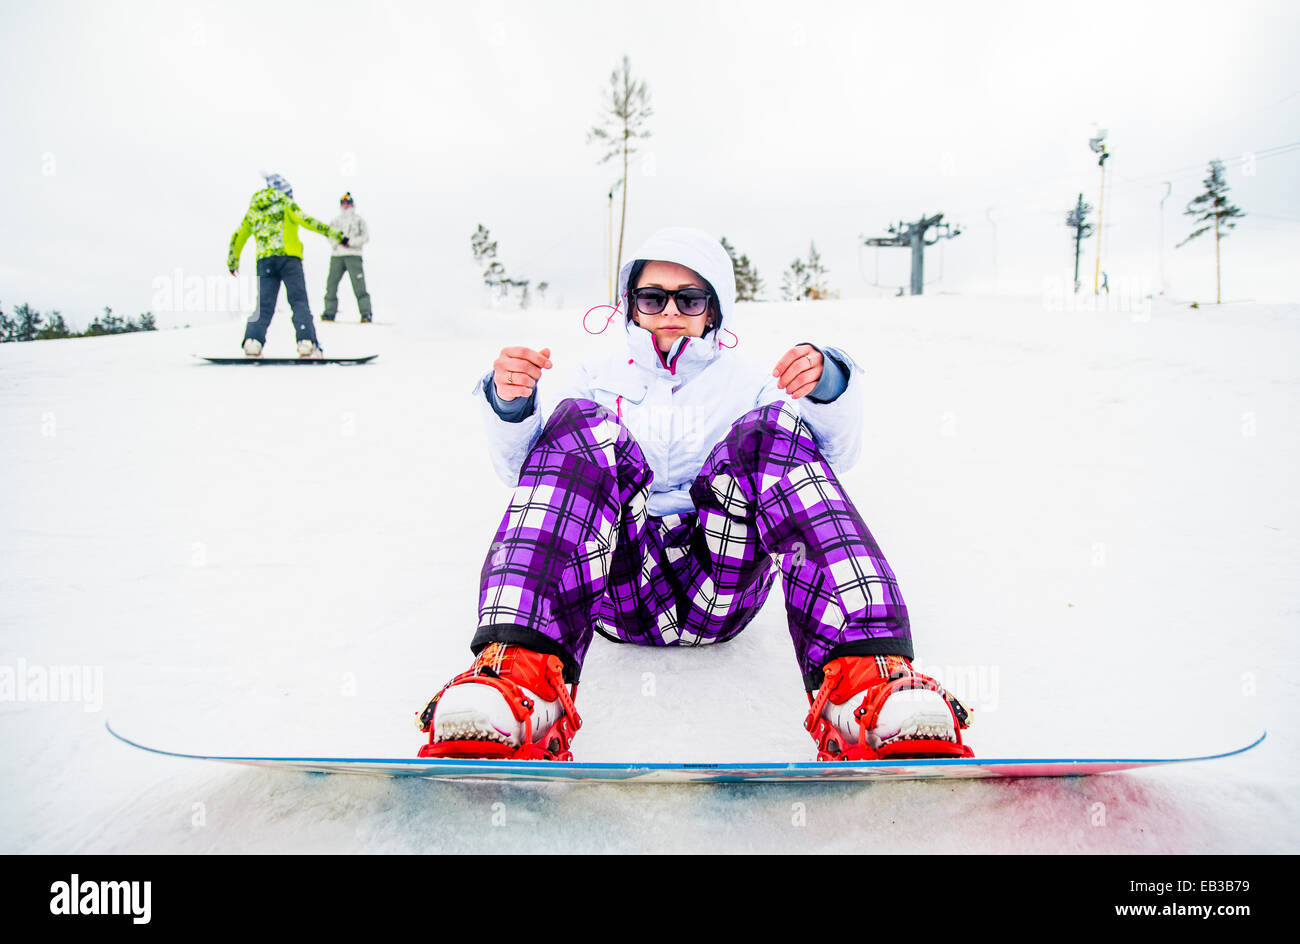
x: 1098, y: 145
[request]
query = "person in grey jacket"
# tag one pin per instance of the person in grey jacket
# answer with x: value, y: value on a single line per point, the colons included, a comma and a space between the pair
x: 347, y: 255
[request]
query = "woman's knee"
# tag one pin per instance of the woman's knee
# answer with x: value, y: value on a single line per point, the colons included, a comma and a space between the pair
x: 780, y: 418
x: 590, y: 420
x: 575, y: 407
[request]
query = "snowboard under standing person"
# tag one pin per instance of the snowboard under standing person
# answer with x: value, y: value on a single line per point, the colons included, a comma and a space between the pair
x: 347, y: 255
x: 655, y: 499
x: 273, y: 219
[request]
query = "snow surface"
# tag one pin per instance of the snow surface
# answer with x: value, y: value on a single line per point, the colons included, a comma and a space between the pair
x: 1092, y: 515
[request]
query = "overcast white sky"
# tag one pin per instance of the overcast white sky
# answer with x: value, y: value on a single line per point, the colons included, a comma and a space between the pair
x: 134, y: 134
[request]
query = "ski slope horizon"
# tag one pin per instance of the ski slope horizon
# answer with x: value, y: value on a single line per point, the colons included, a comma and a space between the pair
x: 1091, y: 515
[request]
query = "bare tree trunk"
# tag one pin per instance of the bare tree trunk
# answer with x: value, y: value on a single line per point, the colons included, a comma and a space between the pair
x: 1218, y: 285
x: 622, y: 216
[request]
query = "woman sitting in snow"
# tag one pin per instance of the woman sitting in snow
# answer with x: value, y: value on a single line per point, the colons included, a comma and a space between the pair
x: 654, y: 502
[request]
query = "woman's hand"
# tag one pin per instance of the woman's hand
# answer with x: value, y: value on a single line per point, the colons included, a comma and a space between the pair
x: 799, y: 370
x: 516, y: 371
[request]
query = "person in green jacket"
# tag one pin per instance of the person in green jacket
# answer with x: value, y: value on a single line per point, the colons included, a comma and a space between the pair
x: 273, y: 219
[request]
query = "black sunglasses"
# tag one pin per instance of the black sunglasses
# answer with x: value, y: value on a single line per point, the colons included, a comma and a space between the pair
x: 690, y: 302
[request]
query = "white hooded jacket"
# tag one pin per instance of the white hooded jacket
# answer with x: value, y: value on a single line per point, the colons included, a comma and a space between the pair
x: 679, y: 406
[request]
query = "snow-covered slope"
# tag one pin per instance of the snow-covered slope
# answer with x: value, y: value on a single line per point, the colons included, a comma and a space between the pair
x: 1092, y: 517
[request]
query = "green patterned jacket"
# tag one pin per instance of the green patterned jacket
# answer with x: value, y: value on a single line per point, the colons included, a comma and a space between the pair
x: 273, y: 219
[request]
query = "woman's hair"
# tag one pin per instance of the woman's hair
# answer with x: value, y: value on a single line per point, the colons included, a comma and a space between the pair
x: 634, y: 277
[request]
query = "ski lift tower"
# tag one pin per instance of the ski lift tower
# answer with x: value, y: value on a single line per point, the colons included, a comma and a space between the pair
x: 916, y: 235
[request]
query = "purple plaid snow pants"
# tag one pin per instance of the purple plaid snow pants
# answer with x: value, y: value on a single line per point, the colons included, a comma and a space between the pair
x: 577, y: 553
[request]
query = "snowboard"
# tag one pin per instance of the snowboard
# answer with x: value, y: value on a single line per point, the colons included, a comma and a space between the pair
x: 970, y: 768
x: 244, y: 359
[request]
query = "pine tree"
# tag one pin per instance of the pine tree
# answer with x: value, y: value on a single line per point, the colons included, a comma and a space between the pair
x: 148, y: 322
x: 484, y: 248
x: 626, y: 111
x: 494, y: 277
x: 8, y: 327
x: 753, y: 283
x: 1077, y: 219
x: 28, y: 322
x: 817, y: 287
x: 482, y: 245
x: 806, y: 279
x: 749, y: 287
x: 1212, y: 209
x: 109, y: 324
x: 55, y: 328
x: 795, y: 282
x: 735, y: 266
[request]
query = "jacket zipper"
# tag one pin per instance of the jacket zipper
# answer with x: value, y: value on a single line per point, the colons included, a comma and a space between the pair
x: 672, y: 368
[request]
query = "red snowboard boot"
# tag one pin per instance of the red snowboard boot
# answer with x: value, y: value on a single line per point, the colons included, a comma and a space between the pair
x: 511, y: 703
x: 873, y: 707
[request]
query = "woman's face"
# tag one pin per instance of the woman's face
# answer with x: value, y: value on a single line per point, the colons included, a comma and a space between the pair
x: 670, y: 324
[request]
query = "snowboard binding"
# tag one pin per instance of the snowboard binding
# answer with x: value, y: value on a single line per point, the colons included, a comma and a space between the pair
x: 914, y: 726
x: 532, y: 686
